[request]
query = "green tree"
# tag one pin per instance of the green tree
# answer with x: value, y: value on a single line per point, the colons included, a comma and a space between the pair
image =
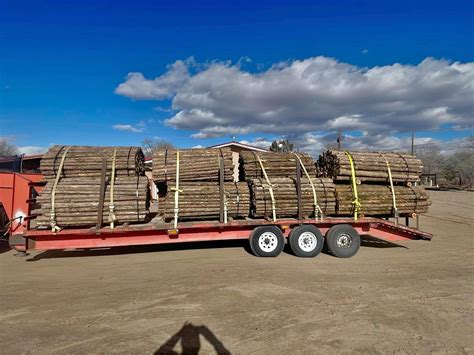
x: 282, y: 146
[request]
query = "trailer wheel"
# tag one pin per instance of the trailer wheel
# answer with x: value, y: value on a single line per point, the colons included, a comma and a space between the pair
x: 306, y: 241
x: 343, y: 241
x: 267, y: 241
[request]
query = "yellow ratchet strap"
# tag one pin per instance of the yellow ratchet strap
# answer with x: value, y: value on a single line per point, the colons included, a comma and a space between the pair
x: 270, y: 187
x: 54, y: 226
x: 112, y: 217
x: 317, y: 209
x: 394, y: 198
x: 355, y: 202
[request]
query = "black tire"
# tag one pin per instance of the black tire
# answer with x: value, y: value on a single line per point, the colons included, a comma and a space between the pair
x: 306, y: 241
x: 343, y: 241
x: 267, y: 241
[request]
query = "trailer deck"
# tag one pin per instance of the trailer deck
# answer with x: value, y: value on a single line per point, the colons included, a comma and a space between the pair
x: 18, y: 189
x: 203, y: 231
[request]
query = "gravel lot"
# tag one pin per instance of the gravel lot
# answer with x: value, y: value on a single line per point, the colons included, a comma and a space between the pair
x: 413, y: 298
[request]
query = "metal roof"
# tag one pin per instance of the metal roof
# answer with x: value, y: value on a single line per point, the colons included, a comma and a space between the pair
x: 240, y: 145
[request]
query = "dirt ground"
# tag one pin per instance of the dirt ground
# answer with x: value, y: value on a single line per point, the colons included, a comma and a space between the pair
x: 417, y: 298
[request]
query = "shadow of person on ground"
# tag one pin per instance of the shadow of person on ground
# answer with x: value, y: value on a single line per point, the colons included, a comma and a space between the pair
x: 189, y: 336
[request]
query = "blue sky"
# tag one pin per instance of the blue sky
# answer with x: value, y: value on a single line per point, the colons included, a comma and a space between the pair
x: 61, y: 61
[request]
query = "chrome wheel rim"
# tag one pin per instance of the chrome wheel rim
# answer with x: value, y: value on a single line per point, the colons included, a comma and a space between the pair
x: 268, y: 242
x: 307, y: 241
x: 344, y: 241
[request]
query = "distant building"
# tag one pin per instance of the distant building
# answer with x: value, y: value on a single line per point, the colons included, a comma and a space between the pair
x: 21, y: 163
x: 236, y: 148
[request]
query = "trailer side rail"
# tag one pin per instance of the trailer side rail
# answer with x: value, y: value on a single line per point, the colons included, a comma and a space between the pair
x: 200, y: 231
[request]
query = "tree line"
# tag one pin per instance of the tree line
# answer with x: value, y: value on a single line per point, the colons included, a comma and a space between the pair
x: 453, y: 168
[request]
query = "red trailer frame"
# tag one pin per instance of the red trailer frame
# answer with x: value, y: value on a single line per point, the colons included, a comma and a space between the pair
x: 24, y: 239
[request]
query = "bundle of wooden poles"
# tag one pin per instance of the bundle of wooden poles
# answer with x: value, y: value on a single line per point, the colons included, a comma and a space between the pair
x: 202, y: 200
x: 206, y: 182
x: 364, y: 180
x: 271, y: 173
x: 86, y: 161
x: 276, y: 165
x: 369, y: 166
x: 92, y: 186
x: 194, y: 164
x: 285, y: 197
x: 77, y: 200
x: 377, y: 200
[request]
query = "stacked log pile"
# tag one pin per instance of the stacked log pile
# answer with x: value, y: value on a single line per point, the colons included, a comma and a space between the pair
x: 194, y: 164
x: 76, y: 201
x: 199, y: 184
x: 286, y: 197
x: 86, y: 161
x: 202, y: 200
x: 376, y: 200
x: 370, y: 166
x: 276, y: 165
x: 78, y: 192
x: 373, y: 182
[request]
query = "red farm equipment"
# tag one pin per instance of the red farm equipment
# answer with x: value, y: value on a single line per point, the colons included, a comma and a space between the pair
x: 17, y: 194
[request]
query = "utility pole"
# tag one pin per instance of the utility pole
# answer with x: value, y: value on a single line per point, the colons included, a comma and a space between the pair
x: 412, y: 142
x: 339, y: 139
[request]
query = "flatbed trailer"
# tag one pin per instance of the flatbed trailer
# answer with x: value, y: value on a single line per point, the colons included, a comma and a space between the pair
x: 267, y: 237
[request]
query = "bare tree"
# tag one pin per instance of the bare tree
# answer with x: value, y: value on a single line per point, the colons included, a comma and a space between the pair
x: 331, y: 146
x: 455, y: 168
x: 7, y: 149
x: 282, y: 146
x: 463, y: 166
x: 150, y: 144
x: 433, y: 161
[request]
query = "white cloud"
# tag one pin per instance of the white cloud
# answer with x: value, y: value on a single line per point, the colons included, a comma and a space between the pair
x: 32, y: 150
x: 161, y: 109
x: 315, y: 94
x: 259, y: 142
x: 162, y: 87
x: 315, y: 144
x: 129, y: 128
